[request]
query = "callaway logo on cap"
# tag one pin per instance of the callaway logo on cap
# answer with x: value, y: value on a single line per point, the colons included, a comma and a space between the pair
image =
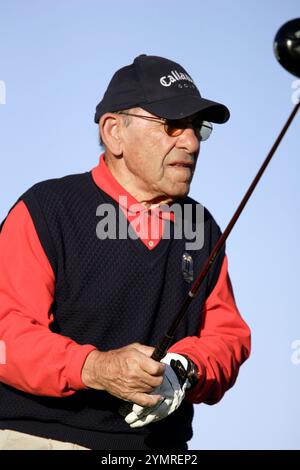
x: 161, y: 87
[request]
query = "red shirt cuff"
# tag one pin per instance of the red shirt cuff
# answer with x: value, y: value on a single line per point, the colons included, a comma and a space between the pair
x: 75, y: 365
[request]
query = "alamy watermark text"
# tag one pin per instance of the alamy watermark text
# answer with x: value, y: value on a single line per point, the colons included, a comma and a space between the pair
x: 2, y: 92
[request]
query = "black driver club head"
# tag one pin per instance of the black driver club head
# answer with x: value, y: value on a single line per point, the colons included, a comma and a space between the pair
x: 287, y: 46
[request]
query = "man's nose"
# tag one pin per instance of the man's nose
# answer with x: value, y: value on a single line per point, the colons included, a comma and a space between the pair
x: 188, y: 140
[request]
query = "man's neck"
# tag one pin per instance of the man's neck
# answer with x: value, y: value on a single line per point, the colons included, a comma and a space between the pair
x: 143, y: 197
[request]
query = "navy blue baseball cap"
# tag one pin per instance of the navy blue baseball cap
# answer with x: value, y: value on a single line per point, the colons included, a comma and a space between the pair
x: 161, y: 87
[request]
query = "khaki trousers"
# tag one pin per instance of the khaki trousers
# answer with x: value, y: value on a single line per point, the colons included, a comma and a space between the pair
x: 14, y: 440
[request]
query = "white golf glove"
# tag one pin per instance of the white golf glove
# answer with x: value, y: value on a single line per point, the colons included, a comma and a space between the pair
x: 172, y: 390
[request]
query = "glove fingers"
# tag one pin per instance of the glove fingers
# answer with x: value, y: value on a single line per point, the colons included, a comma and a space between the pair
x: 131, y: 417
x: 139, y: 412
x: 154, y: 409
x: 161, y: 413
x: 138, y: 409
x: 142, y: 422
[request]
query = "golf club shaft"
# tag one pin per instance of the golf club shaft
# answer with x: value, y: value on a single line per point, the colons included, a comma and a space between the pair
x: 164, y: 344
x: 162, y: 347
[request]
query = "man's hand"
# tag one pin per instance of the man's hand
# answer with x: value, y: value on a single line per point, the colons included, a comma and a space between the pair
x: 172, y: 390
x: 128, y: 373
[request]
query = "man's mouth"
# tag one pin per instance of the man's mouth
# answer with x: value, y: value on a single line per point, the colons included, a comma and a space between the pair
x: 189, y: 165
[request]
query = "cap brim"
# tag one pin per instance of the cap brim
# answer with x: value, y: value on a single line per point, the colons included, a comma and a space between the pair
x: 181, y: 107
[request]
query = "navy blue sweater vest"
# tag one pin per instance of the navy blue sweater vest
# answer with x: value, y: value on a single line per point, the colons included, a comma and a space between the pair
x: 108, y: 293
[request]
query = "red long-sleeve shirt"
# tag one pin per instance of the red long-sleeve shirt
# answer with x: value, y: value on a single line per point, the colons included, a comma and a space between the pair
x: 41, y: 362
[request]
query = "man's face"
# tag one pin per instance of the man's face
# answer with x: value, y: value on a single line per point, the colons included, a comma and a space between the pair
x: 160, y: 165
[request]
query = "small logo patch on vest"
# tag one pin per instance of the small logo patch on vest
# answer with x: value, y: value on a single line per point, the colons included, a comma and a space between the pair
x: 187, y: 267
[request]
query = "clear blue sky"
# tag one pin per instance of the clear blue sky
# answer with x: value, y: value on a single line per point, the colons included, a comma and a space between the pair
x: 56, y: 59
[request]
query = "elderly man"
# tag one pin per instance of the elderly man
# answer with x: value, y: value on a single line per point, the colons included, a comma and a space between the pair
x: 82, y: 306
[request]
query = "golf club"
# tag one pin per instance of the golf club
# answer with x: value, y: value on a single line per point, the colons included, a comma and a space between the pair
x: 287, y: 52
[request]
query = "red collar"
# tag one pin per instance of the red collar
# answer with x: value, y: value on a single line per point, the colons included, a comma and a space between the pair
x: 106, y: 181
x: 147, y: 223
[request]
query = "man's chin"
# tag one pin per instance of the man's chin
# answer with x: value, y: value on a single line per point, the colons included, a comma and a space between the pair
x: 181, y: 190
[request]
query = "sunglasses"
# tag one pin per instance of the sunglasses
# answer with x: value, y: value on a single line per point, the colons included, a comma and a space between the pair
x: 174, y: 128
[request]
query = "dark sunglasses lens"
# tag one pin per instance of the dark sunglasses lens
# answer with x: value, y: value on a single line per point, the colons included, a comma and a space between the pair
x: 173, y: 129
x: 202, y: 129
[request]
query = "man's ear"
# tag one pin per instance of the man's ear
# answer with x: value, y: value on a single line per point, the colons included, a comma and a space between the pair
x: 109, y: 128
